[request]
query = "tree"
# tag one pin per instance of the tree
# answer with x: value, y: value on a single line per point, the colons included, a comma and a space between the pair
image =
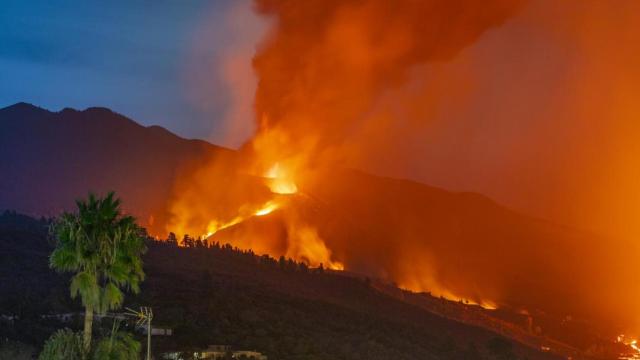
x: 187, y: 241
x: 118, y: 346
x: 103, y: 248
x: 172, y: 239
x: 63, y: 344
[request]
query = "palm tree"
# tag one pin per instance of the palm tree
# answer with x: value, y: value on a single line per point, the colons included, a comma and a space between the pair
x: 63, y: 344
x: 119, y: 345
x: 103, y: 248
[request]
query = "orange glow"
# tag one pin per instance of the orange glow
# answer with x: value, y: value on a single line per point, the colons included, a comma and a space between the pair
x: 440, y: 291
x: 310, y: 248
x: 280, y: 181
x: 632, y: 343
x: 488, y: 304
x: 266, y: 209
x: 229, y: 211
x: 216, y: 225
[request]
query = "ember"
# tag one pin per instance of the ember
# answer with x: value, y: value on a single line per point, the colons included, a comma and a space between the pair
x: 632, y: 343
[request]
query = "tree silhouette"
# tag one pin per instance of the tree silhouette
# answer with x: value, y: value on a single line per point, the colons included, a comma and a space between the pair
x: 103, y: 248
x: 187, y: 241
x: 172, y: 239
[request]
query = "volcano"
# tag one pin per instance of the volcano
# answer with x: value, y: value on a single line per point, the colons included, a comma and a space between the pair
x: 462, y: 246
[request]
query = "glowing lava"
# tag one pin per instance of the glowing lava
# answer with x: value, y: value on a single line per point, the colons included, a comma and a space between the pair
x: 280, y: 181
x: 215, y: 225
x: 632, y: 344
x: 483, y: 303
x: 268, y: 208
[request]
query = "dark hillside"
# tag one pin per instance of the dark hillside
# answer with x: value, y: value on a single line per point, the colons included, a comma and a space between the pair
x: 218, y: 295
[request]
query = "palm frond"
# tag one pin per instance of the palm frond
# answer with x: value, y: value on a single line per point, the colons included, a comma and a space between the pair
x: 119, y: 346
x: 63, y: 259
x: 111, y: 298
x: 85, y: 284
x: 63, y: 344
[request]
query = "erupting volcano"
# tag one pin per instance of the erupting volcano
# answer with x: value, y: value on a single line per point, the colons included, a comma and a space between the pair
x: 336, y: 88
x: 474, y: 160
x: 321, y: 72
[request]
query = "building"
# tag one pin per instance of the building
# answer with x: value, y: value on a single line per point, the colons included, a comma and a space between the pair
x: 214, y: 352
x: 245, y: 354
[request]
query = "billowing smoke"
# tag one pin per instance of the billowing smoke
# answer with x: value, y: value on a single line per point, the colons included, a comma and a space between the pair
x: 325, y: 65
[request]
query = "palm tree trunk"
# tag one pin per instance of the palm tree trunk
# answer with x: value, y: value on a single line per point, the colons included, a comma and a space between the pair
x: 88, y: 327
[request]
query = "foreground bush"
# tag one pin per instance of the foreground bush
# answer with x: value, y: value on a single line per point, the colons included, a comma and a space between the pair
x: 63, y: 344
x: 119, y: 346
x: 68, y: 345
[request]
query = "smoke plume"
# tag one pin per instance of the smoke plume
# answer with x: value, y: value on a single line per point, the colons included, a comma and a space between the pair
x: 325, y: 64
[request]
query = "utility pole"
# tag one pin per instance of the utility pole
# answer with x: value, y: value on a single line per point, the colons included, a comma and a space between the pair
x: 144, y: 317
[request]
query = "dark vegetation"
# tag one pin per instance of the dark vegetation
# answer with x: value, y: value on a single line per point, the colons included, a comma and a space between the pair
x: 213, y: 294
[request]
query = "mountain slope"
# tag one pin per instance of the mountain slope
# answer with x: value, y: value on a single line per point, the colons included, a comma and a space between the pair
x: 219, y: 295
x: 48, y: 159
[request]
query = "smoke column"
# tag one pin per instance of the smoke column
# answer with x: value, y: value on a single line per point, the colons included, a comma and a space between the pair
x: 325, y: 64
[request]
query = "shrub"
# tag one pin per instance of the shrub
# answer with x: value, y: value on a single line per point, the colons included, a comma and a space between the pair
x: 63, y: 344
x: 118, y: 346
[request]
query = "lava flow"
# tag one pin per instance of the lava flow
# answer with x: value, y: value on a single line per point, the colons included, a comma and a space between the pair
x: 215, y: 225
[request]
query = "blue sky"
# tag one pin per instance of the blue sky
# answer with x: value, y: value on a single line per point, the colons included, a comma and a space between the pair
x: 130, y: 56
